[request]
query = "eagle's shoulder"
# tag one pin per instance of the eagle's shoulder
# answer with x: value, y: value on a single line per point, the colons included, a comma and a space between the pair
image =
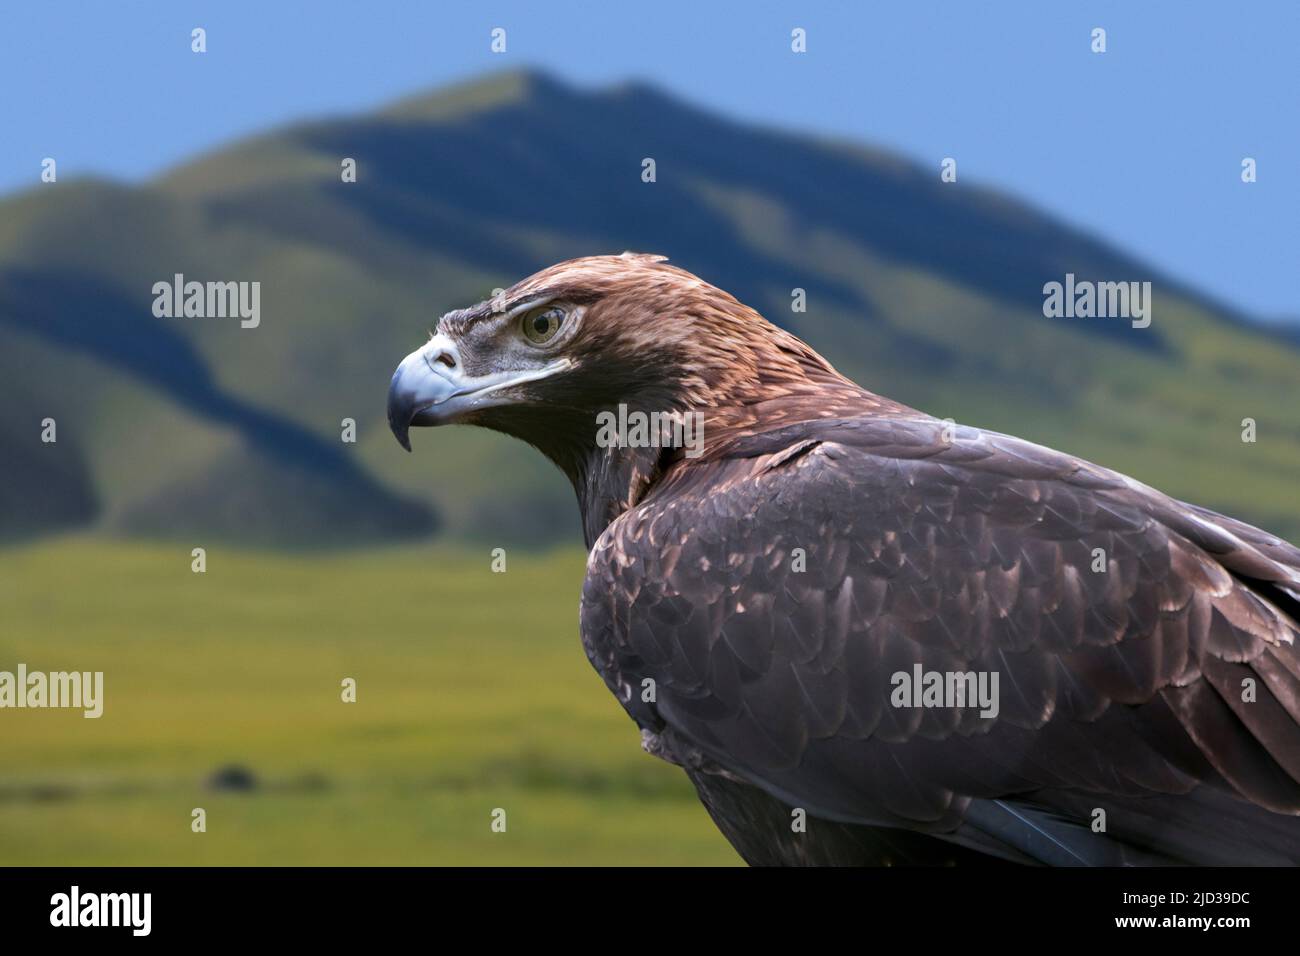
x: 760, y: 603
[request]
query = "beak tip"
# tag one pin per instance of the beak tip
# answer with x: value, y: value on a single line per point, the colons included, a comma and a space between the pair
x: 399, y: 414
x: 403, y: 436
x: 400, y: 428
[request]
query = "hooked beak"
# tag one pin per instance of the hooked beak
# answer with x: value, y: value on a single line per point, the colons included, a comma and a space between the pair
x: 430, y: 387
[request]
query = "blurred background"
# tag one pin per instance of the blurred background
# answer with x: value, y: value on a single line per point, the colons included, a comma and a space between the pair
x: 325, y: 559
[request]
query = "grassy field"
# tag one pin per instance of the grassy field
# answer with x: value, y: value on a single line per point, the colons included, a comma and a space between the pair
x: 472, y: 694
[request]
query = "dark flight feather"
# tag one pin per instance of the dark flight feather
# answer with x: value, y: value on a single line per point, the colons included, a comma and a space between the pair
x: 1121, y: 690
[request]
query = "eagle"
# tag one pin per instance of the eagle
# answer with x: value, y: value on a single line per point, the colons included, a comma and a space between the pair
x: 801, y: 608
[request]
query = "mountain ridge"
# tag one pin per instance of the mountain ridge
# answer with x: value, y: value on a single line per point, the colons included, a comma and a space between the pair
x: 929, y: 292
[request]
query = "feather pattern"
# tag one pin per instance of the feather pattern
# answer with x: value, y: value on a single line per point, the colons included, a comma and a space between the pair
x: 1125, y: 630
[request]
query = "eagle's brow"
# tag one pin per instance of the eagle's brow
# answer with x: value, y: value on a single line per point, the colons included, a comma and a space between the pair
x: 461, y: 319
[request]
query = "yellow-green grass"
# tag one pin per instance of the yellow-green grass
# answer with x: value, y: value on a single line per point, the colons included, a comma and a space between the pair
x: 472, y: 694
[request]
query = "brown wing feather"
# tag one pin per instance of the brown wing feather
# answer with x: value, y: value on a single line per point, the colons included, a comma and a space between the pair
x: 1120, y: 689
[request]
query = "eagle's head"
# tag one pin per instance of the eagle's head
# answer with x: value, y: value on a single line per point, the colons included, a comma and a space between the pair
x: 545, y: 358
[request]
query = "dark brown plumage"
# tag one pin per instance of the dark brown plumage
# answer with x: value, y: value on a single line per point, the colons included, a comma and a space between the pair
x: 1156, y: 688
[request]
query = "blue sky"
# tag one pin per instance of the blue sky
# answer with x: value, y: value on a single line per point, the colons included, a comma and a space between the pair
x: 1141, y: 145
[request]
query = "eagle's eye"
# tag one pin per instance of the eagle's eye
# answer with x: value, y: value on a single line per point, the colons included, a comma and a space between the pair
x: 540, y: 325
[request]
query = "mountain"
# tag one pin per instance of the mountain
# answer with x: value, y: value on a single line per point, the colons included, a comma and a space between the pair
x: 929, y: 292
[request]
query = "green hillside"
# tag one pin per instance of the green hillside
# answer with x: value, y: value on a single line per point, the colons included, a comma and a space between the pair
x: 928, y: 292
